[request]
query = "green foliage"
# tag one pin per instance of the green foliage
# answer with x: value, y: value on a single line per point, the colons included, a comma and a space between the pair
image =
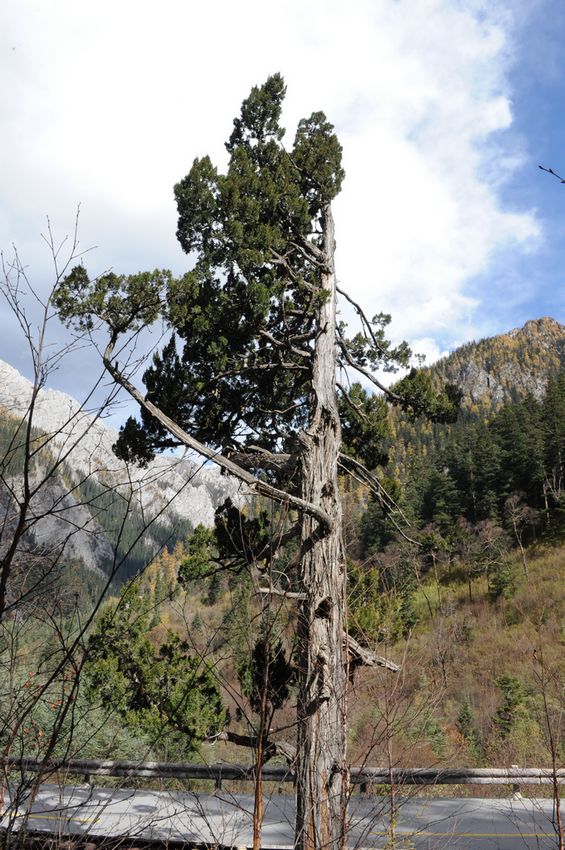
x: 214, y: 588
x: 364, y: 426
x: 238, y: 295
x: 483, y: 466
x: 372, y: 348
x: 419, y: 396
x: 434, y: 734
x: 466, y: 719
x: 502, y: 578
x: 380, y: 597
x: 241, y: 540
x: 512, y: 705
x: 441, y: 499
x: 161, y: 692
x: 266, y: 671
x: 201, y: 552
x: 467, y: 726
x: 235, y: 542
x: 375, y: 527
x: 123, y: 301
x: 237, y: 367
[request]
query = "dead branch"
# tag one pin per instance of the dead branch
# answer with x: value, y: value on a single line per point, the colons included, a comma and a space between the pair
x: 360, y: 656
x: 255, y: 484
x: 271, y: 748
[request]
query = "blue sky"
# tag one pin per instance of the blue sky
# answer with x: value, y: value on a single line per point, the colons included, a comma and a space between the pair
x: 538, y: 81
x: 531, y: 284
x: 445, y: 108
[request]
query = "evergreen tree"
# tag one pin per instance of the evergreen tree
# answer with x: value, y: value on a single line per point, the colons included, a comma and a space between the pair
x: 518, y: 430
x: 248, y: 380
x: 161, y: 692
x: 512, y: 705
x: 466, y: 724
x: 553, y: 423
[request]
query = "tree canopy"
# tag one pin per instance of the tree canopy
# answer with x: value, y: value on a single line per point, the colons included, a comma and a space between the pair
x: 237, y: 368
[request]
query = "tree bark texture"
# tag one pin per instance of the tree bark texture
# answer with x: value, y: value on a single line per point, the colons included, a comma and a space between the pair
x: 321, y: 771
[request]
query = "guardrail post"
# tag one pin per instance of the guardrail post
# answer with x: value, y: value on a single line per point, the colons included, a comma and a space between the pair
x: 86, y: 778
x: 516, y: 787
x: 218, y: 784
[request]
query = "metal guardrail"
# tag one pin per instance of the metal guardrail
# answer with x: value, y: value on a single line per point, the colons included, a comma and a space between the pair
x: 222, y: 771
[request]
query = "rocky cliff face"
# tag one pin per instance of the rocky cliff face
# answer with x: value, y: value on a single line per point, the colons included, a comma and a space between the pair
x: 490, y: 373
x: 507, y: 367
x: 173, y: 490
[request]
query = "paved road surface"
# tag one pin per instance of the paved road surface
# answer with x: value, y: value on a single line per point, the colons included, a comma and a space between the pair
x: 425, y: 824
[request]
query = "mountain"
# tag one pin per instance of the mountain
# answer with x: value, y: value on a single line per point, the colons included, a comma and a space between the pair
x: 78, y: 506
x: 507, y: 367
x: 495, y: 371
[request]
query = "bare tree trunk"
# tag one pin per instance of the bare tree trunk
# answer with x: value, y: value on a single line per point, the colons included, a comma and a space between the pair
x: 264, y: 723
x: 518, y: 536
x: 321, y: 773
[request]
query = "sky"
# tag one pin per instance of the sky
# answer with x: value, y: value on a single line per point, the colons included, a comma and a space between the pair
x: 444, y: 108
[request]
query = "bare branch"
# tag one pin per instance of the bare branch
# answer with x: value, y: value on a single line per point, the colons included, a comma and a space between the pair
x: 301, y: 352
x: 255, y: 484
x: 387, y: 503
x: 361, y: 656
x: 313, y: 255
x: 552, y: 172
x: 365, y: 372
x: 364, y: 321
x: 355, y: 407
x: 284, y: 594
x: 271, y: 748
x: 256, y: 457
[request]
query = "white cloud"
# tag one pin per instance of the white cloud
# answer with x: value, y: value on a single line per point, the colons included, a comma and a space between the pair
x: 429, y: 349
x: 108, y: 103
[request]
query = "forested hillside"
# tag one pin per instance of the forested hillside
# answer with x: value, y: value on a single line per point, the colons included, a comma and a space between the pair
x: 481, y: 673
x: 490, y: 373
x: 507, y: 367
x: 79, y: 519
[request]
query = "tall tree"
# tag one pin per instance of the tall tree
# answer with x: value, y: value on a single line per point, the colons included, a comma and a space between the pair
x: 248, y: 380
x: 553, y: 423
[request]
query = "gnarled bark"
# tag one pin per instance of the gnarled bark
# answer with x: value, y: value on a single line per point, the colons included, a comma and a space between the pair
x: 321, y: 768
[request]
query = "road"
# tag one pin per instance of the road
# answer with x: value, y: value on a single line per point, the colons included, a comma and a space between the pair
x: 424, y: 824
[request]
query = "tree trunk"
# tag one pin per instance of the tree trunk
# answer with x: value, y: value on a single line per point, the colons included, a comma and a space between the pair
x: 321, y: 775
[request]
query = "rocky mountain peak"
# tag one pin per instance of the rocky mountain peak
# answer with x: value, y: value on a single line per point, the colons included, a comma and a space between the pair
x: 506, y: 367
x: 177, y: 490
x: 545, y: 327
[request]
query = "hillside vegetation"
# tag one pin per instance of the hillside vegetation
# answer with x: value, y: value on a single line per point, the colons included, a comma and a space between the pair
x: 490, y: 373
x: 458, y: 578
x: 481, y: 678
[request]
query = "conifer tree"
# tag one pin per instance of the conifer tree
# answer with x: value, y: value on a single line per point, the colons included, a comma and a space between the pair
x: 249, y: 379
x: 553, y: 423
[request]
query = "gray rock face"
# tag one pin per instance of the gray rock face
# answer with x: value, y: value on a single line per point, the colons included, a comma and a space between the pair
x: 506, y: 367
x: 169, y: 488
